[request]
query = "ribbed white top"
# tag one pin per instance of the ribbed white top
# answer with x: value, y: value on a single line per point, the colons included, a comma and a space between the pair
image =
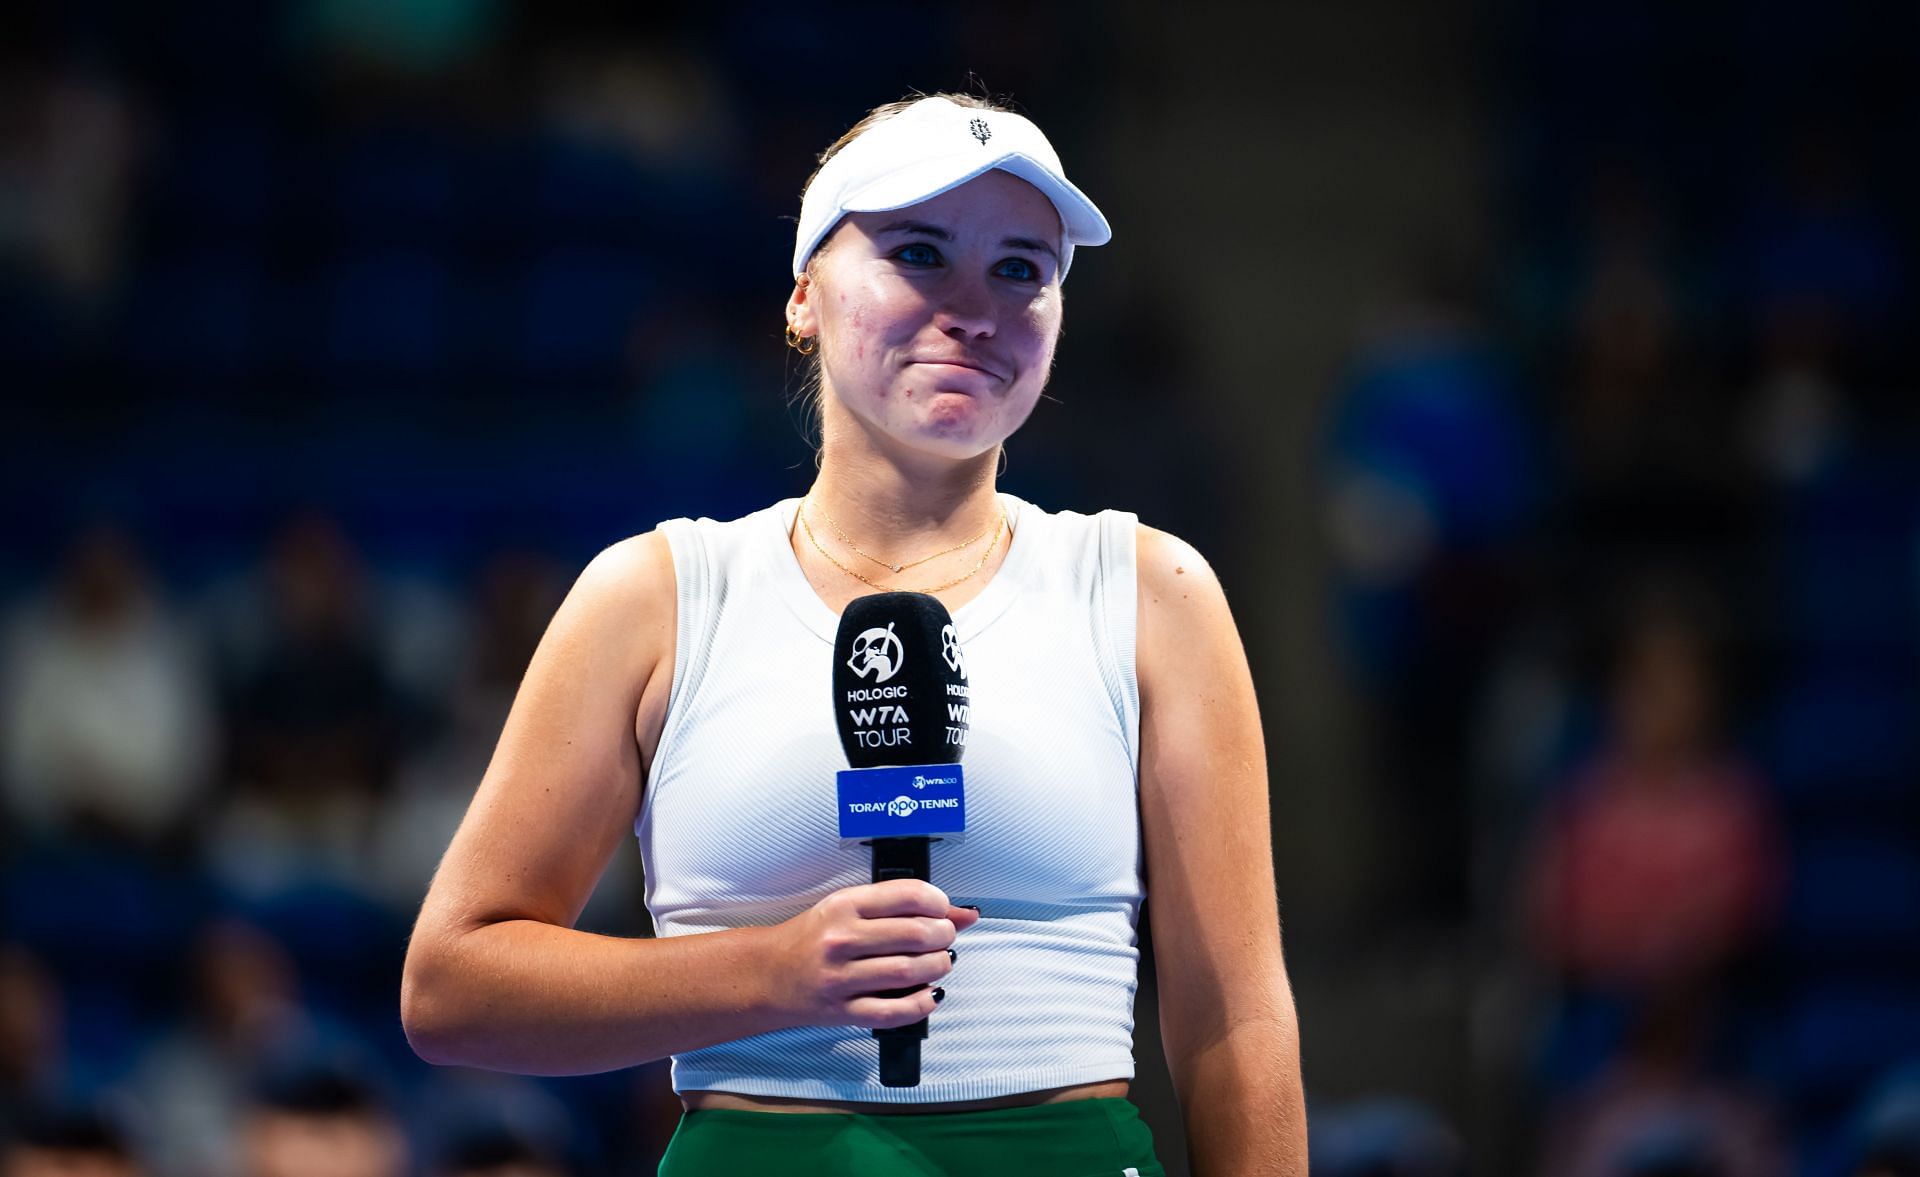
x: 737, y: 827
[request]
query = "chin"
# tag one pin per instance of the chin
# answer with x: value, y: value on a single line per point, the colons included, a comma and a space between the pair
x: 953, y: 448
x: 958, y: 442
x: 961, y: 430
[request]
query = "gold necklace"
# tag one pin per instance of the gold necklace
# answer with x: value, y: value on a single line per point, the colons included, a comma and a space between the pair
x: 896, y: 569
x: 988, y: 555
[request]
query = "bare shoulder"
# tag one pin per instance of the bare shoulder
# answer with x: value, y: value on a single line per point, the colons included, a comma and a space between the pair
x: 626, y: 589
x: 1178, y: 589
x: 1167, y: 564
x: 635, y: 571
x: 625, y: 600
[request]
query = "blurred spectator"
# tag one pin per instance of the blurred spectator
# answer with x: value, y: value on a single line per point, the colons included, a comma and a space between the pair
x: 1646, y: 447
x: 314, y: 715
x: 1655, y: 1113
x: 518, y: 593
x: 1661, y: 860
x: 61, y: 1141
x: 320, y: 1121
x: 245, y: 1016
x: 1621, y: 219
x: 1815, y: 252
x: 1824, y: 287
x: 516, y: 597
x: 1383, y: 1138
x: 469, y: 1120
x: 1433, y: 479
x: 1432, y: 462
x: 1797, y: 415
x: 106, y: 713
x: 68, y: 150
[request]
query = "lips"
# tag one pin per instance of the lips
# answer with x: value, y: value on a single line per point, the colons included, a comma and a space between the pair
x: 967, y: 364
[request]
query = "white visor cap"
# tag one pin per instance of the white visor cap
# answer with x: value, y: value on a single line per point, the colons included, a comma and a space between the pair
x: 931, y: 147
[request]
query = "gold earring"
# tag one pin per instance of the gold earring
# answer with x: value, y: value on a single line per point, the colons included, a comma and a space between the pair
x: 806, y: 345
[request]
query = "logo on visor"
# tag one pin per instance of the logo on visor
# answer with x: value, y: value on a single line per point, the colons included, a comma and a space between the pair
x: 980, y: 131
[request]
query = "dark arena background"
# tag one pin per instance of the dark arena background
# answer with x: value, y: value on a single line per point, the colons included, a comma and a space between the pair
x: 1540, y: 378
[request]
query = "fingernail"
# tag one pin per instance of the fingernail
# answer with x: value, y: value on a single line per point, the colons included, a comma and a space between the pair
x: 972, y: 907
x: 939, y: 994
x: 952, y: 956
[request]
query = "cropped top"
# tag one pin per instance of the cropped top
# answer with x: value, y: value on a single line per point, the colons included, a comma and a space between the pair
x: 737, y: 825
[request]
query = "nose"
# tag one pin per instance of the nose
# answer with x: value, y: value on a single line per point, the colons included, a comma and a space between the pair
x: 966, y: 311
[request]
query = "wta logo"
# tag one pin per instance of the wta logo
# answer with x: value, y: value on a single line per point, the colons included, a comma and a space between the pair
x: 950, y: 650
x: 921, y: 782
x: 877, y: 652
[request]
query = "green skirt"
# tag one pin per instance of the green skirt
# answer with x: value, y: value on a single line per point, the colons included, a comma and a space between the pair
x: 1074, y: 1138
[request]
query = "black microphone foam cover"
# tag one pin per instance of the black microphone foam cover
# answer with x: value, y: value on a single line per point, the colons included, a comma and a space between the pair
x: 899, y: 682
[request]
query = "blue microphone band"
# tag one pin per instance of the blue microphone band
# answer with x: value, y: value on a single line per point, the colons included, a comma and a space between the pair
x: 902, y: 801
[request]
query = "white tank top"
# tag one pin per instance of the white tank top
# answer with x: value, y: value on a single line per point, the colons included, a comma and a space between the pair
x: 737, y: 827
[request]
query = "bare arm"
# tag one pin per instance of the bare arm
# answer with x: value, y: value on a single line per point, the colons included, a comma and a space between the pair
x: 1226, y: 1008
x: 496, y: 974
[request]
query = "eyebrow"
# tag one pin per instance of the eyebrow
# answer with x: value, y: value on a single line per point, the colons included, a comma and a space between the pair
x: 924, y: 229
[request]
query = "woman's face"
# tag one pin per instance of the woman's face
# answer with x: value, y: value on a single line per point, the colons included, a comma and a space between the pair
x: 937, y: 322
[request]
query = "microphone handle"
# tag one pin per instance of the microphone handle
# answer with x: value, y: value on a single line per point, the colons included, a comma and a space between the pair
x: 900, y: 858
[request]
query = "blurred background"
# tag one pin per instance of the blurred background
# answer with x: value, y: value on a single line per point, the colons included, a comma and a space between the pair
x: 1539, y: 377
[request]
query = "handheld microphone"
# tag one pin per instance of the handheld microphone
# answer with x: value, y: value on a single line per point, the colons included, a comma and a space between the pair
x: 900, y: 698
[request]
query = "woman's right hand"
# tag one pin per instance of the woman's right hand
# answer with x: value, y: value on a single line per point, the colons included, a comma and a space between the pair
x: 839, y: 956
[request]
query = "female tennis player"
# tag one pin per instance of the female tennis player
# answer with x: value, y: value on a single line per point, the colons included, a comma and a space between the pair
x: 682, y: 692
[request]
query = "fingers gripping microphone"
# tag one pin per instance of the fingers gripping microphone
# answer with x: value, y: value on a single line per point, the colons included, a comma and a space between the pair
x: 900, y: 698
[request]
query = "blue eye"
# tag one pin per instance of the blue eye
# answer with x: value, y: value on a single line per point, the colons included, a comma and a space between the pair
x: 920, y: 255
x: 1022, y: 269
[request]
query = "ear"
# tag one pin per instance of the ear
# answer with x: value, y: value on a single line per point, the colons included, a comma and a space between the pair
x: 800, y: 314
